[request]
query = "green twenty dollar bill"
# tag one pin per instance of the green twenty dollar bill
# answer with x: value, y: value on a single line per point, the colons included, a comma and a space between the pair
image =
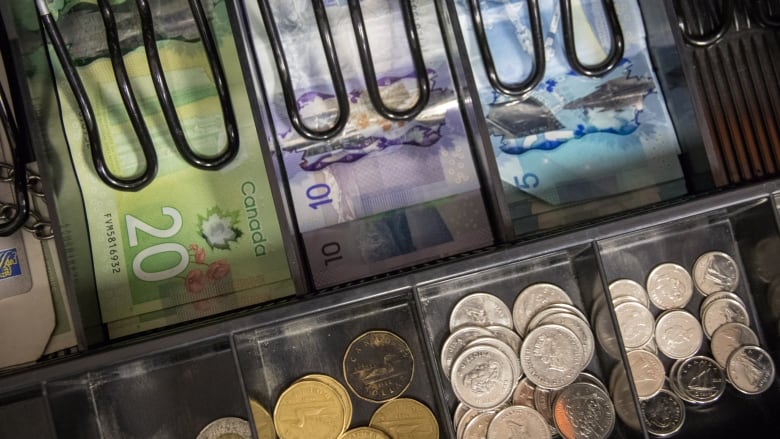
x: 190, y: 235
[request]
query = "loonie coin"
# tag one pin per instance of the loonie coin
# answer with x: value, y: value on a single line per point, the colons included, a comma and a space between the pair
x: 531, y: 300
x: 226, y: 428
x: 678, y: 334
x: 720, y: 312
x: 518, y: 422
x: 477, y: 428
x: 405, y: 417
x: 480, y: 309
x: 715, y: 271
x: 364, y: 433
x: 378, y: 366
x: 636, y: 324
x: 583, y: 410
x: 551, y: 356
x: 664, y: 414
x: 505, y: 349
x: 629, y: 288
x: 508, y: 336
x: 455, y: 343
x: 580, y: 328
x: 669, y: 286
x: 728, y: 338
x: 647, y: 371
x: 700, y: 380
x: 750, y: 370
x: 346, y: 401
x: 263, y: 422
x: 309, y: 410
x: 482, y: 377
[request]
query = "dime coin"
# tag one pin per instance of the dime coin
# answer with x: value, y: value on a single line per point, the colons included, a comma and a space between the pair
x: 717, y: 296
x: 750, y: 370
x: 263, y: 422
x: 309, y: 410
x: 346, y: 401
x: 636, y: 324
x: 532, y: 299
x: 580, y: 328
x: 524, y: 393
x: 728, y: 338
x: 478, y: 427
x: 482, y: 377
x: 720, y: 312
x: 508, y: 336
x: 456, y: 342
x: 678, y: 334
x: 507, y: 350
x: 629, y: 288
x: 623, y: 398
x: 669, y: 286
x: 364, y: 433
x: 647, y: 371
x: 664, y: 414
x: 405, y: 417
x: 223, y: 428
x: 480, y: 309
x: 378, y: 366
x: 700, y: 379
x: 715, y: 271
x: 584, y: 410
x: 551, y: 356
x: 518, y: 422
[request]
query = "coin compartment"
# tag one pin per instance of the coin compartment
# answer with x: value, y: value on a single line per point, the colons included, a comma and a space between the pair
x: 274, y: 356
x: 25, y: 414
x: 169, y: 394
x: 575, y: 270
x: 747, y: 232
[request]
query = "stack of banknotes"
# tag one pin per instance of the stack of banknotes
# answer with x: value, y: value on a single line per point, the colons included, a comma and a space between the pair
x: 575, y: 146
x: 193, y: 243
x: 380, y: 195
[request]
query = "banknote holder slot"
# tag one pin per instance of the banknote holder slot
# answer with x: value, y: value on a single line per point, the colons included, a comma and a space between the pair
x: 175, y: 393
x: 25, y: 414
x: 741, y: 231
x: 573, y: 269
x: 273, y: 356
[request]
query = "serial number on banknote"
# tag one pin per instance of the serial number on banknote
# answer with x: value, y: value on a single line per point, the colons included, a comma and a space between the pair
x: 113, y: 247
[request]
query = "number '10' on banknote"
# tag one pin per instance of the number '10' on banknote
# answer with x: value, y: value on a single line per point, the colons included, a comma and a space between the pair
x: 379, y: 194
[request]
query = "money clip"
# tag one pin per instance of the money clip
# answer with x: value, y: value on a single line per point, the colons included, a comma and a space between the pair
x: 537, y: 73
x: 13, y: 217
x: 367, y: 62
x: 285, y: 77
x: 128, y: 96
x: 616, y: 50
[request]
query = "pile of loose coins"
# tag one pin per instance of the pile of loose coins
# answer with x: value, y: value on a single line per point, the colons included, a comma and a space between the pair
x: 521, y: 373
x: 378, y: 367
x: 678, y: 334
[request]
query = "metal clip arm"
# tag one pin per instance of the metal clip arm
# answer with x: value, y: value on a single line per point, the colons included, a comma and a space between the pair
x: 616, y: 50
x: 708, y: 39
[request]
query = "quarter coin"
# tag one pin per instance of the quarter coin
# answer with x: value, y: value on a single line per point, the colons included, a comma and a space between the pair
x: 378, y: 366
x: 750, y: 370
x: 455, y: 343
x: 669, y: 286
x: 728, y: 338
x: 583, y: 410
x: 715, y: 271
x: 664, y: 414
x: 480, y: 309
x: 647, y: 371
x: 533, y: 299
x: 309, y: 410
x: 678, y: 334
x: 508, y: 336
x: 226, y: 427
x: 482, y: 377
x: 580, y: 328
x: 551, y: 356
x: 518, y: 422
x: 405, y: 417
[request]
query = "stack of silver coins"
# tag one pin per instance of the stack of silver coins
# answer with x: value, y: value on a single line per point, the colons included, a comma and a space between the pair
x: 679, y: 335
x: 521, y: 373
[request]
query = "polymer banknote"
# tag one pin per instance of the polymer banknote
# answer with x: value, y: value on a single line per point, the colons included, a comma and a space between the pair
x: 191, y: 234
x: 573, y: 138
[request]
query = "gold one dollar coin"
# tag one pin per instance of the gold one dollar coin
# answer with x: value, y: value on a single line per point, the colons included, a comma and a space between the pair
x: 309, y: 410
x: 343, y: 395
x: 263, y: 422
x: 405, y: 418
x: 378, y: 366
x: 364, y: 433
